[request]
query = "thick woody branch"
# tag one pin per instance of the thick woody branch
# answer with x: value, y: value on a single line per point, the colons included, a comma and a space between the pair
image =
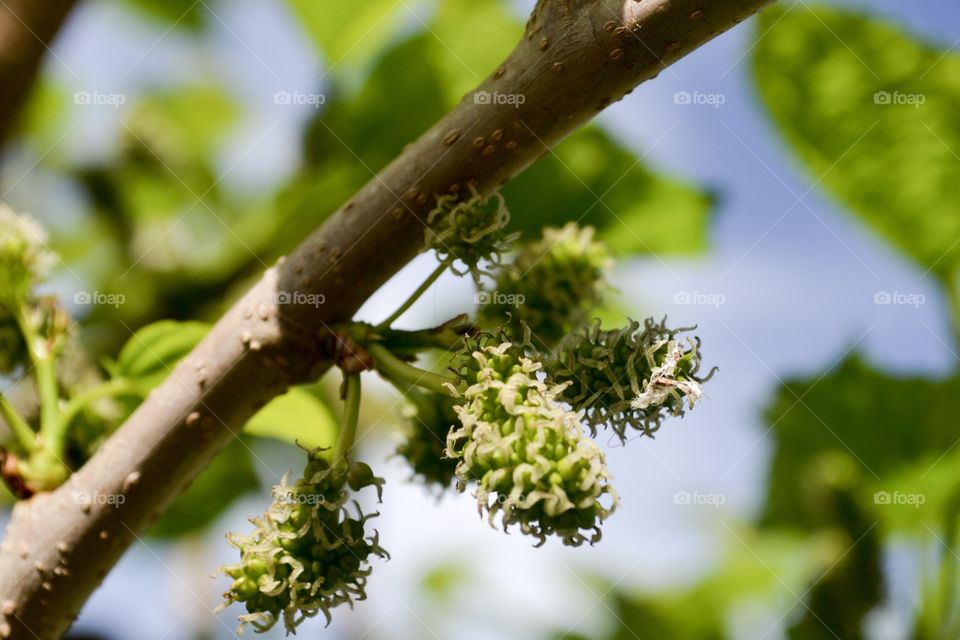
x: 26, y: 29
x: 575, y: 58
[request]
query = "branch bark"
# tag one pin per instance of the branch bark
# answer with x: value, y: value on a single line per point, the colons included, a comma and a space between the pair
x: 26, y: 29
x: 575, y: 58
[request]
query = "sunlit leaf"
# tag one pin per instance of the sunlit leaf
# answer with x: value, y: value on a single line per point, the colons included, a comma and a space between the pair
x: 296, y: 417
x: 348, y: 34
x: 153, y: 351
x: 592, y: 179
x: 872, y: 112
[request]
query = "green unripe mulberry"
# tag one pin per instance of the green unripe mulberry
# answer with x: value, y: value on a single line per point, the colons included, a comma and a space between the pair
x: 528, y: 456
x: 628, y: 378
x: 470, y: 233
x: 308, y: 553
x: 553, y: 286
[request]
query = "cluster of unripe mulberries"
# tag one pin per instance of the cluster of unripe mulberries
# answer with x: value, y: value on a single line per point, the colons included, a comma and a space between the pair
x: 308, y: 553
x: 511, y: 418
x: 526, y: 453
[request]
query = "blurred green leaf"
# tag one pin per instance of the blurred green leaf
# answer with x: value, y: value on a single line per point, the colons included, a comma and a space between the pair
x: 153, y: 351
x: 186, y: 123
x: 297, y: 417
x: 162, y: 217
x: 635, y: 210
x: 229, y: 476
x: 44, y: 119
x: 469, y: 38
x: 758, y: 569
x: 920, y: 497
x: 348, y: 34
x: 882, y: 422
x: 872, y: 112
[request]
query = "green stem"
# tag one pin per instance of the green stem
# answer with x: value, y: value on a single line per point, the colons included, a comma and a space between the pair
x: 21, y: 430
x: 398, y: 371
x: 51, y: 430
x: 351, y: 415
x: 415, y: 295
x: 116, y: 387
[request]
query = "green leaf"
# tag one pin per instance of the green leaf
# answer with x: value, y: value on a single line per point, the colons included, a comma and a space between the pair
x: 757, y: 568
x: 885, y: 424
x: 871, y: 111
x: 592, y: 179
x: 44, y: 119
x: 468, y: 39
x: 401, y: 99
x: 186, y: 123
x: 297, y: 417
x: 152, y: 352
x: 348, y: 34
x: 229, y: 476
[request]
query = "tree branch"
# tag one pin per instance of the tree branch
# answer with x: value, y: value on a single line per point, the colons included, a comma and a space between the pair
x: 576, y: 57
x: 26, y: 29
